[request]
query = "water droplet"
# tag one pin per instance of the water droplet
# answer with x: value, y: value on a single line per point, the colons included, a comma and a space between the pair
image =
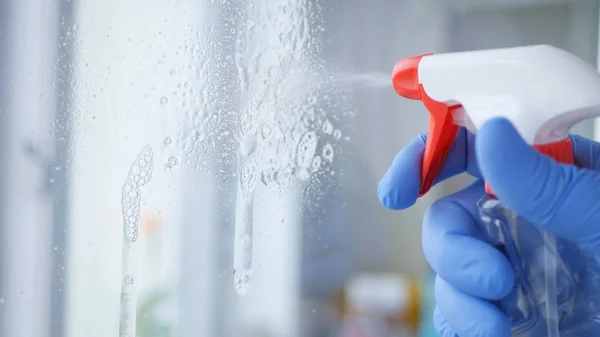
x: 316, y: 164
x: 328, y: 152
x: 266, y: 131
x: 167, y: 141
x: 172, y: 162
x: 267, y: 176
x: 302, y: 174
x: 129, y: 279
x: 249, y: 121
x: 164, y: 100
x: 327, y: 127
x: 306, y: 149
x: 337, y: 134
x: 172, y: 72
x: 241, y: 280
x: 248, y: 178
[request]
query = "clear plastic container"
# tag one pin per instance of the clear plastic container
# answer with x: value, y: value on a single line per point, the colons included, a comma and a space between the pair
x: 573, y: 273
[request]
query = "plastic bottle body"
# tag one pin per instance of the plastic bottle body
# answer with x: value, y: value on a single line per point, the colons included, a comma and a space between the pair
x: 576, y: 309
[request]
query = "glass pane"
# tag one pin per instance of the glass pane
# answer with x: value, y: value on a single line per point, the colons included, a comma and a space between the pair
x: 171, y: 152
x: 209, y: 168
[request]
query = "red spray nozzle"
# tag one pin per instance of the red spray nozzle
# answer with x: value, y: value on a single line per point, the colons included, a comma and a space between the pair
x: 405, y: 77
x: 442, y: 130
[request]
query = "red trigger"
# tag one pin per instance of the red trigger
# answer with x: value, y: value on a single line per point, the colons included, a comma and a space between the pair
x: 442, y: 130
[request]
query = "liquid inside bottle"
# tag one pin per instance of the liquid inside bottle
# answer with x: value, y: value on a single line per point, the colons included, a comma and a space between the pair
x: 576, y: 309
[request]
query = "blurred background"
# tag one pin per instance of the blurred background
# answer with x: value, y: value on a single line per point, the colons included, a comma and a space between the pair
x: 260, y: 130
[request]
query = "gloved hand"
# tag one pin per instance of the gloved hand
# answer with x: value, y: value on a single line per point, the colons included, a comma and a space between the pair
x: 471, y: 274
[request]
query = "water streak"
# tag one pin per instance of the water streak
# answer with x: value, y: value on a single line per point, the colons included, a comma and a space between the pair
x: 242, y: 252
x: 139, y: 175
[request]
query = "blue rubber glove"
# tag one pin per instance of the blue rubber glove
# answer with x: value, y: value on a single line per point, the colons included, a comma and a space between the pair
x: 470, y: 273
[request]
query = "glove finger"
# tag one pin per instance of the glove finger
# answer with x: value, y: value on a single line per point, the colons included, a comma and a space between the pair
x: 470, y: 316
x: 586, y: 152
x: 441, y: 325
x: 399, y: 187
x: 560, y: 198
x: 455, y: 249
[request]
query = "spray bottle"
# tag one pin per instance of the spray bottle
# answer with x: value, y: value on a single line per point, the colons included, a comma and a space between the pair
x: 543, y: 91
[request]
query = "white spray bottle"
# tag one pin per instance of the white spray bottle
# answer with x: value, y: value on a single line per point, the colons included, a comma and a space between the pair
x: 544, y: 92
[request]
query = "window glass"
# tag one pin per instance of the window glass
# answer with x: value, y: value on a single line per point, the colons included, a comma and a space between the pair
x: 210, y: 168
